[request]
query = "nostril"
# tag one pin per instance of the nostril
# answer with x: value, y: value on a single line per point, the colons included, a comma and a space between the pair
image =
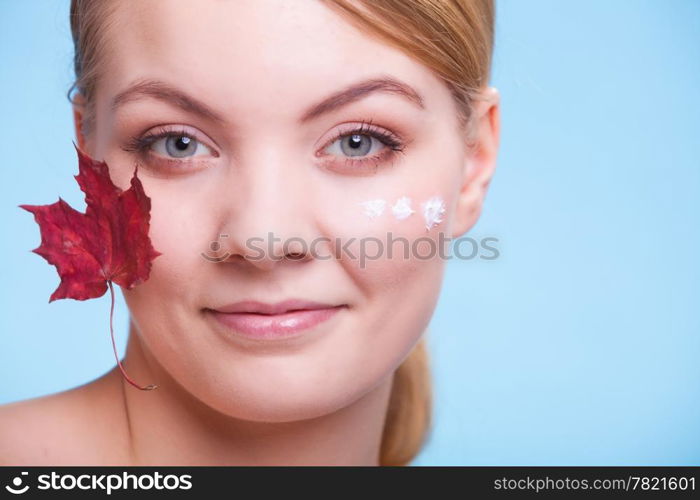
x: 298, y: 256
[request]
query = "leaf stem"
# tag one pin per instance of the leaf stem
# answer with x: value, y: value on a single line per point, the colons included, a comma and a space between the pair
x: 114, y: 346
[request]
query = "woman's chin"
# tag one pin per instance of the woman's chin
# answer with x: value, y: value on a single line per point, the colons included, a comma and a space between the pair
x: 258, y: 405
x: 266, y: 393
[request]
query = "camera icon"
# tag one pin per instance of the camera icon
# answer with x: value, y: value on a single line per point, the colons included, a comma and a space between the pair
x: 17, y: 483
x: 215, y: 246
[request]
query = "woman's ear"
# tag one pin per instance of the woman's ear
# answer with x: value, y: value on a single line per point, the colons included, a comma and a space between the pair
x: 480, y: 161
x: 79, y: 120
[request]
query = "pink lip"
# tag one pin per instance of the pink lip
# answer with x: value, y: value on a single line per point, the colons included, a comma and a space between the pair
x: 271, y: 321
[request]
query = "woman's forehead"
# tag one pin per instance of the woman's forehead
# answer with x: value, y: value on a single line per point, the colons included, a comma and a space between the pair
x: 291, y: 50
x: 305, y: 35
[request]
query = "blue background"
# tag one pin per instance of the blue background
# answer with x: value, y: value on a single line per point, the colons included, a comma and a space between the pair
x: 579, y: 345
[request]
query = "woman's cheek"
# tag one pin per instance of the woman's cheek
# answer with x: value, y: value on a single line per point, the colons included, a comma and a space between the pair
x: 179, y: 235
x: 389, y: 237
x: 394, y: 219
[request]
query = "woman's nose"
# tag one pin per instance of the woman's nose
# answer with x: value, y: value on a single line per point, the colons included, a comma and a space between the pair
x: 269, y: 213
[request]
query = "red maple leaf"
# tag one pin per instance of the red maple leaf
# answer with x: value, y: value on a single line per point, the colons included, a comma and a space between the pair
x: 108, y: 243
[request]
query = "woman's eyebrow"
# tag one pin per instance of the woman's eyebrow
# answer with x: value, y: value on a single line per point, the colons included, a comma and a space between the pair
x: 360, y: 90
x: 165, y: 92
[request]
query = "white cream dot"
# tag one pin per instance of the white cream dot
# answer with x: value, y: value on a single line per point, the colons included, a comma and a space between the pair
x: 433, y: 210
x: 374, y: 208
x: 402, y: 208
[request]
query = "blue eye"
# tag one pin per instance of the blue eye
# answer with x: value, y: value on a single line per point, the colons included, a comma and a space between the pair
x: 363, y: 146
x: 179, y: 146
x: 355, y: 145
x: 169, y: 144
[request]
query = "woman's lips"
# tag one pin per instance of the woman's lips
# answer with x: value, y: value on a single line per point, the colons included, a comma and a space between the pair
x: 272, y: 321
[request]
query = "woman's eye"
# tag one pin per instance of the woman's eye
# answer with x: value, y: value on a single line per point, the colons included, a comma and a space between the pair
x: 355, y: 145
x: 179, y: 146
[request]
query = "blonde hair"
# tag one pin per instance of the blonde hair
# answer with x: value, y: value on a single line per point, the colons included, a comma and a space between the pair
x: 454, y: 38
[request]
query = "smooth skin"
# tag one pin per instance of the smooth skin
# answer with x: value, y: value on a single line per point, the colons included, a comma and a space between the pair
x: 256, y: 167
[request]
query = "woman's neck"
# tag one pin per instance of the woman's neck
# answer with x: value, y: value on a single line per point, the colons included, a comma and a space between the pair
x: 168, y: 426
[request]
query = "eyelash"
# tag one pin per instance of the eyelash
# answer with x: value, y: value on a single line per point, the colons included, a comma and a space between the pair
x: 393, y: 143
x: 141, y: 144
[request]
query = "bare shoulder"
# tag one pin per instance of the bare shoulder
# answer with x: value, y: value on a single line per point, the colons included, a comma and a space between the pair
x: 71, y: 427
x: 31, y: 429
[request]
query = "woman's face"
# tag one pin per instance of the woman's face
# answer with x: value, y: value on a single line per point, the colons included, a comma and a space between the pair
x: 239, y: 79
